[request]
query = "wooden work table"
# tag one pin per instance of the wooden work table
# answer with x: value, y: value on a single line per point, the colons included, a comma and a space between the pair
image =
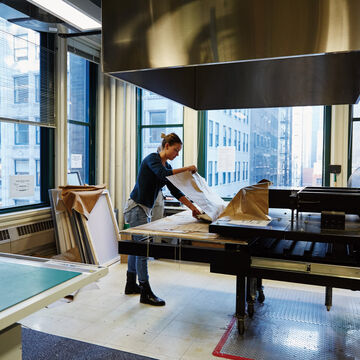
x: 181, y: 226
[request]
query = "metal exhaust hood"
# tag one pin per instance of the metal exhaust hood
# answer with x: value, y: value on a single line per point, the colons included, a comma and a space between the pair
x: 224, y: 54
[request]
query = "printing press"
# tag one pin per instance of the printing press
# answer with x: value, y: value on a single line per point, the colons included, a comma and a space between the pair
x: 313, y: 238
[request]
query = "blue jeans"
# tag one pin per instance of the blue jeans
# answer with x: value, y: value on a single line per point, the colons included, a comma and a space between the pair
x: 137, y: 264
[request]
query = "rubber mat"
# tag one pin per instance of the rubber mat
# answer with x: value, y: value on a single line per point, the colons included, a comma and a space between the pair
x: 294, y: 324
x: 20, y: 282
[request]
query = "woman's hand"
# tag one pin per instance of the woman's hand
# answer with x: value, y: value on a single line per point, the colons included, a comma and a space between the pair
x: 192, y: 168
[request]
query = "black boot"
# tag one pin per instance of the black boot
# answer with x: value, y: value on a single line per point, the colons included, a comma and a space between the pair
x: 148, y: 297
x: 131, y: 286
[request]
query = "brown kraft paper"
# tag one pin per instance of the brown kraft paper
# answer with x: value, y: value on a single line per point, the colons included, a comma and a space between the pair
x: 250, y: 203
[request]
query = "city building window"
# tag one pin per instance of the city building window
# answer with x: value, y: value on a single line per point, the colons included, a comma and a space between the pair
x: 21, y: 47
x: 224, y: 177
x: 21, y: 89
x: 239, y: 142
x: 229, y: 140
x: 37, y: 135
x: 211, y: 132
x: 21, y: 134
x: 21, y: 166
x: 238, y: 171
x: 37, y: 88
x: 210, y: 173
x: 216, y: 174
x: 229, y: 177
x: 235, y: 139
x: 37, y: 166
x: 224, y: 135
x: 216, y: 134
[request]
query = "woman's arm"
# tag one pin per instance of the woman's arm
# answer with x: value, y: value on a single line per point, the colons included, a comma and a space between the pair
x: 191, y: 168
x: 190, y: 205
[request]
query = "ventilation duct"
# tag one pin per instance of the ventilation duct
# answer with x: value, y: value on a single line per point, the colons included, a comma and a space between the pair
x: 218, y: 54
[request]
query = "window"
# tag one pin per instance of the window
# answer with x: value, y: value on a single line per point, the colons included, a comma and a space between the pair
x: 216, y: 134
x: 37, y: 135
x: 21, y: 166
x: 210, y: 173
x: 23, y: 153
x: 211, y: 132
x: 216, y: 174
x: 283, y: 145
x: 37, y: 166
x: 37, y: 88
x: 21, y: 134
x: 21, y: 89
x: 81, y: 116
x: 156, y: 118
x: 21, y: 47
x: 158, y: 115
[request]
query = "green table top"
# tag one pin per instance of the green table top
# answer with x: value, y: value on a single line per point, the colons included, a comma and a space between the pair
x: 19, y: 282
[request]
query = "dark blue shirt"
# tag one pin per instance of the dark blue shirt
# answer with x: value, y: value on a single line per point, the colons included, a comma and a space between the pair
x: 151, y: 178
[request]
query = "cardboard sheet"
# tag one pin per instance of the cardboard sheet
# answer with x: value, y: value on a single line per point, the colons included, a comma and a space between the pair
x: 250, y: 203
x: 196, y: 189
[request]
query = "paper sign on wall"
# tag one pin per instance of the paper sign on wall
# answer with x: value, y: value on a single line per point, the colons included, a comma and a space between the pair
x: 226, y: 158
x: 76, y: 161
x: 21, y: 186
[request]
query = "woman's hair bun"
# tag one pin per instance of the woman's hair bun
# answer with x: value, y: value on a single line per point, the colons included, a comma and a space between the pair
x: 162, y: 135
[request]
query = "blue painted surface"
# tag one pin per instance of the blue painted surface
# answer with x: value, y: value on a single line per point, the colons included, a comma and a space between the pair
x: 19, y: 282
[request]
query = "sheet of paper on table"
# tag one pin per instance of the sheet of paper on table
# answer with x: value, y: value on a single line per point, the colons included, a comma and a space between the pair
x: 249, y: 222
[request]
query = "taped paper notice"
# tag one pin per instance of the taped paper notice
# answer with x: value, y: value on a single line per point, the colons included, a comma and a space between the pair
x: 226, y: 158
x: 76, y: 161
x: 21, y: 186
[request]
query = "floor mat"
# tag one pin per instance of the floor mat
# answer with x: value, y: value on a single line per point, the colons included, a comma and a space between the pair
x: 37, y: 345
x: 294, y: 324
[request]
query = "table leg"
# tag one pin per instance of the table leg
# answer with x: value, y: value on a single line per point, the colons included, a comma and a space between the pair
x: 328, y: 297
x: 240, y: 303
x: 250, y: 295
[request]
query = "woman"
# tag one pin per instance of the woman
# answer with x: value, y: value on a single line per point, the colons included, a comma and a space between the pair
x: 151, y: 178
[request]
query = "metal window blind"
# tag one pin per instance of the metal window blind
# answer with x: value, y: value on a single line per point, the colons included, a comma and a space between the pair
x: 26, y: 70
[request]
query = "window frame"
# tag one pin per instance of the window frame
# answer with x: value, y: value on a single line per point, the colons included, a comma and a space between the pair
x: 47, y: 134
x: 90, y: 116
x: 140, y: 127
x: 243, y: 170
